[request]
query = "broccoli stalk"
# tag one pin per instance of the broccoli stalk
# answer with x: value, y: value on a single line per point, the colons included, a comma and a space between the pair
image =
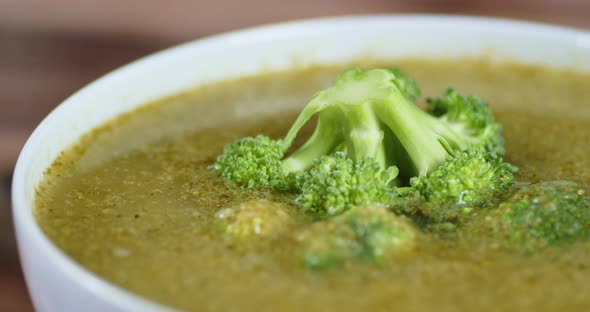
x: 362, y: 106
x: 346, y: 122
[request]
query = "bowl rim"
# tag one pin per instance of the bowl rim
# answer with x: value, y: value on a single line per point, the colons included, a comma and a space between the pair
x: 23, y: 213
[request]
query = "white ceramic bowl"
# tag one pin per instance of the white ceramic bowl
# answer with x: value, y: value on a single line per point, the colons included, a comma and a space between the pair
x: 57, y: 283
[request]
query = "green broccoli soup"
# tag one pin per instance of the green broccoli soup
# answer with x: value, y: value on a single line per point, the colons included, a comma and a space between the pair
x: 457, y: 185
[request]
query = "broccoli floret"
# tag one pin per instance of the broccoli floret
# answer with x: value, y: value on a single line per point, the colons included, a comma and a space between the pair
x: 406, y: 84
x: 371, y: 117
x: 370, y: 234
x: 255, y: 218
x: 545, y: 214
x: 338, y: 183
x: 471, y: 120
x: 467, y: 180
x: 252, y: 162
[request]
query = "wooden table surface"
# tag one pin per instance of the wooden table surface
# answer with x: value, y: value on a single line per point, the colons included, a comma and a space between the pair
x: 49, y: 49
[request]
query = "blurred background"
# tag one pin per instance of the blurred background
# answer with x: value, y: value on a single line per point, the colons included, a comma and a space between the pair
x: 51, y: 48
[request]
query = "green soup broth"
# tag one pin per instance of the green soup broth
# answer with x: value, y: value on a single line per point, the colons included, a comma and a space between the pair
x: 135, y: 201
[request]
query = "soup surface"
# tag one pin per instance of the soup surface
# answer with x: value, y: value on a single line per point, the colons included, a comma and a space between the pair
x: 135, y: 202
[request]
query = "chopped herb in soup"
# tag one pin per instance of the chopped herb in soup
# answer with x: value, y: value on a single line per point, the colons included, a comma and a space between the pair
x: 434, y: 185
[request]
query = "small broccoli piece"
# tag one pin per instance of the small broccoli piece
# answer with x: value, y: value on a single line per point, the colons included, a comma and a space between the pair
x: 254, y: 162
x: 255, y: 218
x: 467, y: 180
x: 545, y: 214
x: 338, y: 183
x: 370, y: 234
